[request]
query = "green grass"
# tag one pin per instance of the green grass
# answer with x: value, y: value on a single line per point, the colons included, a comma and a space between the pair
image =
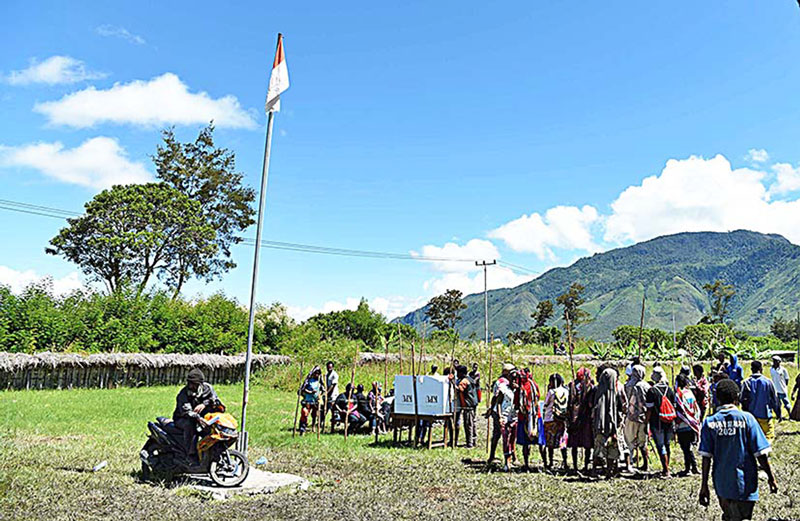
x: 50, y: 440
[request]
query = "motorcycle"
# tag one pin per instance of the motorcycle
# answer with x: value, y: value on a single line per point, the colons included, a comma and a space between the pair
x: 164, y: 453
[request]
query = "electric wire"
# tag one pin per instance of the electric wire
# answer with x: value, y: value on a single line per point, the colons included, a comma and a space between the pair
x: 57, y: 213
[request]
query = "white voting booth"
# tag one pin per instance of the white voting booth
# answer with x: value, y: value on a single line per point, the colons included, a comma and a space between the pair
x: 433, y: 395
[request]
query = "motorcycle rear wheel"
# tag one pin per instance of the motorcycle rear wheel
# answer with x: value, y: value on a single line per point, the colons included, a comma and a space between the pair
x: 233, y: 477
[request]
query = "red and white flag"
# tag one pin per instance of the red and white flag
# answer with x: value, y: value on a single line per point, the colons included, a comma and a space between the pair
x: 278, y: 80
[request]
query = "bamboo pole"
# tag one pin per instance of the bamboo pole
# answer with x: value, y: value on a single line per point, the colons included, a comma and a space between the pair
x: 386, y: 366
x: 453, y: 386
x: 350, y: 395
x: 414, y: 367
x: 400, y: 347
x: 641, y: 326
x: 297, y: 405
x: 323, y: 390
x: 571, y: 347
x: 489, y: 390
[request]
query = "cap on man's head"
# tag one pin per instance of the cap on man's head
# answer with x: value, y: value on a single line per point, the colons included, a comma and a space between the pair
x: 195, y: 376
x: 776, y: 358
x: 508, y: 367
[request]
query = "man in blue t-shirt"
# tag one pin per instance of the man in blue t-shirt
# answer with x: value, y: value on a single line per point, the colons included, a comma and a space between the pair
x: 733, y: 439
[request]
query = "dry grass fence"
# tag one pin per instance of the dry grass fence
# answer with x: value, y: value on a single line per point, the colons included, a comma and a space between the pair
x: 108, y: 370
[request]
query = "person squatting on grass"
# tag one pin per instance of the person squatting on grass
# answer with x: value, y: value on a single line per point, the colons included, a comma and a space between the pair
x: 758, y: 397
x: 310, y: 393
x: 734, y: 440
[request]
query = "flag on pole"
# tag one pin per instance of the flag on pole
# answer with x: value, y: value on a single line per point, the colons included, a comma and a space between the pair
x: 278, y: 80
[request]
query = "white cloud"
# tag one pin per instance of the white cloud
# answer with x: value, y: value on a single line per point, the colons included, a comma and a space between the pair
x: 390, y: 307
x: 19, y: 280
x: 119, y: 32
x: 52, y: 71
x: 787, y: 179
x: 563, y: 227
x: 496, y: 277
x: 164, y: 100
x: 98, y: 162
x: 757, y: 155
x: 698, y: 194
x: 464, y: 257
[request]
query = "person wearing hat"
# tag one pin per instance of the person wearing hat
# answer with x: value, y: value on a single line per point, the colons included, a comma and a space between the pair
x: 780, y: 379
x: 196, y: 397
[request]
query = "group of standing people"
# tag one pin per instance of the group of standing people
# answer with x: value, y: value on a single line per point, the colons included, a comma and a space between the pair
x: 615, y: 423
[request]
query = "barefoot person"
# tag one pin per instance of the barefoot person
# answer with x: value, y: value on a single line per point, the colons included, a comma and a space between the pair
x: 733, y: 440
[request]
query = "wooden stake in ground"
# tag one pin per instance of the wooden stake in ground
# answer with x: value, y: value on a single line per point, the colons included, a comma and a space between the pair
x: 350, y: 395
x: 323, y: 389
x: 415, y: 429
x: 453, y: 383
x: 386, y: 367
x: 489, y: 391
x: 297, y: 406
x: 400, y: 347
x: 641, y: 327
x: 571, y: 349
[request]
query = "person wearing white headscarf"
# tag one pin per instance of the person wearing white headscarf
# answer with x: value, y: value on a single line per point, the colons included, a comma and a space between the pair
x: 609, y: 408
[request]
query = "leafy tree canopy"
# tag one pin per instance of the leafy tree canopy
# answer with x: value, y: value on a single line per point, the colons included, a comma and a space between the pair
x: 444, y: 310
x: 129, y: 234
x: 206, y: 174
x: 543, y: 313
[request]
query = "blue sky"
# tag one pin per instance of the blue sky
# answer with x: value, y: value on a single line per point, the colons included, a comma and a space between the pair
x: 532, y: 132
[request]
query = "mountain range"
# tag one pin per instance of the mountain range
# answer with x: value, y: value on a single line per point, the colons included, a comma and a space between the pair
x: 670, y: 270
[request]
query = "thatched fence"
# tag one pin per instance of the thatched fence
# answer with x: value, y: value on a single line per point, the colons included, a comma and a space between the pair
x: 108, y: 370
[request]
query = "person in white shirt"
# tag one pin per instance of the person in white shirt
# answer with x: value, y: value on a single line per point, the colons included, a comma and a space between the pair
x: 780, y: 379
x: 331, y: 387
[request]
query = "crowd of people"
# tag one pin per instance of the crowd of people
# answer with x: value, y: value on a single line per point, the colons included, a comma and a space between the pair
x: 615, y: 423
x: 726, y: 418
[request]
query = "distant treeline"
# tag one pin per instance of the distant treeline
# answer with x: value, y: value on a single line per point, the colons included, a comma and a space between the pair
x: 155, y: 322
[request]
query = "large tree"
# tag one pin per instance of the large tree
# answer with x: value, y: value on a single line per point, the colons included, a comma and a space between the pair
x: 444, y: 311
x: 543, y: 313
x: 720, y: 294
x: 206, y: 174
x: 129, y: 234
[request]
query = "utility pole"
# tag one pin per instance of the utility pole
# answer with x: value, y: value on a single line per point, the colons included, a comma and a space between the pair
x: 485, y: 300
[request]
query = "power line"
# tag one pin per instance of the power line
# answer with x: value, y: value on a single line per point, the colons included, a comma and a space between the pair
x: 57, y: 213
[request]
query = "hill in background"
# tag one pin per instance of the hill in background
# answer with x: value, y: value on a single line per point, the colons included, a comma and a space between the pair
x: 764, y: 269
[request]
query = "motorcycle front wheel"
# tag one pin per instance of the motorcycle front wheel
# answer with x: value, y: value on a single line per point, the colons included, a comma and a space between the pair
x: 229, y: 469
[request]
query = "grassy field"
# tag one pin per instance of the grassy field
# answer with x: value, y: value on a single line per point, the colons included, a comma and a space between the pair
x: 50, y: 440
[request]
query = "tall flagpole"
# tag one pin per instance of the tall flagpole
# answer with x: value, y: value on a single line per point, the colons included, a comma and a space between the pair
x: 256, y: 255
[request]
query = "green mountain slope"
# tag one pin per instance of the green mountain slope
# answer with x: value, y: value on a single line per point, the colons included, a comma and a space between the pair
x: 765, y: 270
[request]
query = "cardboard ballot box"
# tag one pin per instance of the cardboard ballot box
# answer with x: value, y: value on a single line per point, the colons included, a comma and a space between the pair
x: 433, y: 394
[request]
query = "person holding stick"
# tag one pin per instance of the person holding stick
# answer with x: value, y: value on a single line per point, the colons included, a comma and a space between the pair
x: 310, y: 395
x: 331, y: 388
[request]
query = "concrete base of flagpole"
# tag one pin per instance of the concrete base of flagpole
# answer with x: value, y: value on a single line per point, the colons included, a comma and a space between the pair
x: 257, y: 482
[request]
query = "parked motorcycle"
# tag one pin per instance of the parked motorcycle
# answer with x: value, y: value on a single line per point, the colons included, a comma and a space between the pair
x: 164, y: 454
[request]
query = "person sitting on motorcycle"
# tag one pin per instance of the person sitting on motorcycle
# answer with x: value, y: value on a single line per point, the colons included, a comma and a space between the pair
x: 196, y: 398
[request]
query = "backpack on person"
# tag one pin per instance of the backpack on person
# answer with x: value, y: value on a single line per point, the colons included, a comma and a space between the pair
x: 666, y: 411
x: 560, y: 402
